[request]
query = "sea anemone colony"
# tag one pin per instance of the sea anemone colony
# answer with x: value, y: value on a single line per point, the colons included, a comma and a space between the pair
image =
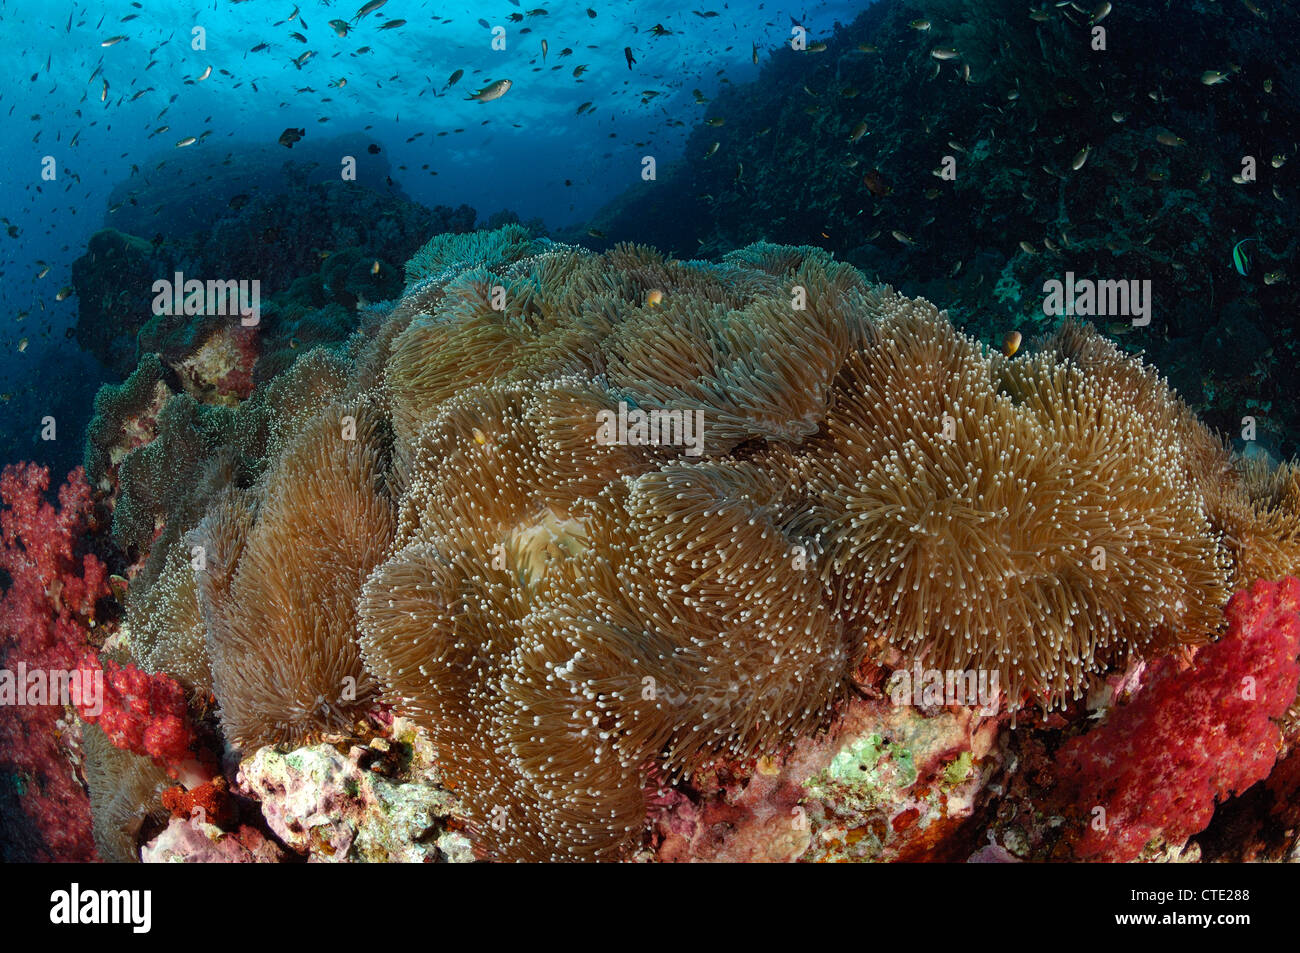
x: 441, y: 516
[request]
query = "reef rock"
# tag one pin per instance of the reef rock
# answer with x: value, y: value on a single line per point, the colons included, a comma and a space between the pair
x: 195, y: 842
x: 337, y: 807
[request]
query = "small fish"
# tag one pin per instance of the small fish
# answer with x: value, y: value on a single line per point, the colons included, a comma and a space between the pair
x: 290, y: 136
x: 1212, y: 77
x: 1240, y: 257
x: 112, y: 40
x: 545, y: 47
x: 875, y: 183
x: 1080, y: 158
x: 103, y: 95
x: 491, y: 91
x: 712, y: 149
x: 480, y: 437
x: 393, y: 24
x: 944, y: 53
x: 921, y: 25
x: 260, y: 47
x: 583, y: 108
x: 1169, y: 139
x: 206, y: 73
x: 454, y: 78
x: 579, y: 70
x: 595, y: 233
x: 818, y: 47
x: 627, y: 55
x: 654, y: 298
x: 753, y: 53
x: 1100, y: 13
x: 1278, y: 161
x: 299, y: 37
x: 715, y: 121
x: 374, y: 269
x: 370, y: 7
x: 903, y: 237
x: 868, y: 48
x: 22, y: 345
x: 45, y: 270
x: 1028, y: 248
x: 1274, y: 277
x: 187, y: 141
x: 1011, y: 343
x: 858, y: 132
x: 1253, y: 8
x: 1118, y: 116
x: 1268, y: 86
x: 340, y: 27
x: 63, y: 293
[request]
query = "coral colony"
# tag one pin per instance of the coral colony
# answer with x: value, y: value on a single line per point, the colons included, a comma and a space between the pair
x: 428, y: 542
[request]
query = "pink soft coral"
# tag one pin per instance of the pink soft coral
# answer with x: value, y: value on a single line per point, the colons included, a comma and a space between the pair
x: 1193, y: 736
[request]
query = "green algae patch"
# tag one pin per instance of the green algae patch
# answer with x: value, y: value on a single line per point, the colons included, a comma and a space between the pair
x: 867, y: 772
x: 959, y: 770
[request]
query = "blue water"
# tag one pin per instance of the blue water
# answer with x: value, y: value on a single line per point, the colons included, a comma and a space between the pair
x: 514, y: 153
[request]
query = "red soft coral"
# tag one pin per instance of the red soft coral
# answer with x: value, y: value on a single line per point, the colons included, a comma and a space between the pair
x: 45, y: 611
x: 1192, y: 736
x: 140, y: 712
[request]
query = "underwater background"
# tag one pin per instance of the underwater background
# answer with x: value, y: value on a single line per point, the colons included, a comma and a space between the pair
x: 648, y: 186
x: 529, y: 156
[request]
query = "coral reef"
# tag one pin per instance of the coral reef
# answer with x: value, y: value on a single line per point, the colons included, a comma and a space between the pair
x: 295, y: 568
x: 336, y: 244
x: 917, y: 436
x: 340, y: 807
x: 187, y: 841
x: 638, y: 546
x: 125, y: 796
x: 113, y: 281
x: 125, y: 418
